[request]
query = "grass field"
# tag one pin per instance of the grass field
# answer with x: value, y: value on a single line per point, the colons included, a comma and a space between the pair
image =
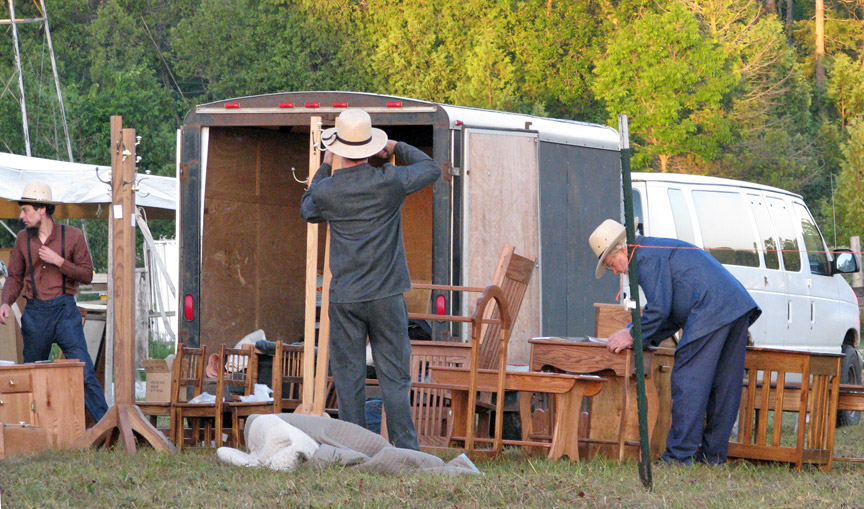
x: 194, y: 478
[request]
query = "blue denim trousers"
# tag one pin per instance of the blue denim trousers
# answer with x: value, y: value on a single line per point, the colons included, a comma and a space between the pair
x: 58, y: 321
x: 385, y: 323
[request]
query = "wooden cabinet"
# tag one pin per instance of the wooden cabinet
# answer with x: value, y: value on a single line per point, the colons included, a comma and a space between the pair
x: 49, y: 395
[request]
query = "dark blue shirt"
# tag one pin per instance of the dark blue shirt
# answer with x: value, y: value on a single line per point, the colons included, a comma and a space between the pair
x: 687, y: 288
x: 364, y: 207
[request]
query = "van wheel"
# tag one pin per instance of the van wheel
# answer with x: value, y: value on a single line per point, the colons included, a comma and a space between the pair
x: 850, y: 373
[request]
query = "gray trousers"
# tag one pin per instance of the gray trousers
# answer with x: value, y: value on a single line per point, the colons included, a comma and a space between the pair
x: 385, y: 322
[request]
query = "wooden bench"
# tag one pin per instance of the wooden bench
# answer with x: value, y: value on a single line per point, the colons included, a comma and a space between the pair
x: 567, y: 389
x: 815, y: 402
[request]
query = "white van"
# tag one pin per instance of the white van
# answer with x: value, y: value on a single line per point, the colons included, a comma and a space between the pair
x: 767, y: 238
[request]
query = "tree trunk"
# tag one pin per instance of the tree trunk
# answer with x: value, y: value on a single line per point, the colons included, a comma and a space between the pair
x: 820, y: 44
x: 788, y: 17
x: 664, y: 163
x: 770, y: 6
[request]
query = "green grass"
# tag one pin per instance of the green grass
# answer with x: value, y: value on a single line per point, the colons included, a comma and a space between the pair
x: 195, y: 478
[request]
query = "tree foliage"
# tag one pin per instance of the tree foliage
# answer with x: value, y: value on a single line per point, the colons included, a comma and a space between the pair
x: 719, y: 87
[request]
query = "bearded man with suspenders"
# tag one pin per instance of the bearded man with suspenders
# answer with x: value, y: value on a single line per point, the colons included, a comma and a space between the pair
x: 47, y: 263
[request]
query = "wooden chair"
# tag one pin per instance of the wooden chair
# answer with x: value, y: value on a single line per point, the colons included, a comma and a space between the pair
x: 239, y: 368
x: 512, y: 275
x: 768, y: 390
x: 154, y: 410
x: 288, y: 365
x: 430, y: 401
x: 190, y: 378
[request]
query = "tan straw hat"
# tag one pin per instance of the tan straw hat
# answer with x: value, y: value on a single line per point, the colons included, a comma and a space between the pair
x: 354, y: 137
x: 603, y: 240
x: 37, y: 192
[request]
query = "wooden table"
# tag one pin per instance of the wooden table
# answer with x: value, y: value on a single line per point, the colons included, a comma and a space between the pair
x: 48, y: 395
x: 613, y: 428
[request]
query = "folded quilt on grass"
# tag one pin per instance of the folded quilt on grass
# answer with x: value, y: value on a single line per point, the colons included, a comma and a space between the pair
x: 284, y: 441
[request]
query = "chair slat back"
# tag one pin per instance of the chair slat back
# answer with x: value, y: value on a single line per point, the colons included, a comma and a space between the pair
x: 287, y: 376
x: 512, y: 275
x: 429, y: 401
x: 188, y: 373
x: 239, y: 368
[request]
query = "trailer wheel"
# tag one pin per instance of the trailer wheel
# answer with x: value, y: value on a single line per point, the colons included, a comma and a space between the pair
x: 850, y: 373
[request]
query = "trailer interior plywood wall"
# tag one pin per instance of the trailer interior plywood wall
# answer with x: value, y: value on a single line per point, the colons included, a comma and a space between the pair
x: 254, y: 240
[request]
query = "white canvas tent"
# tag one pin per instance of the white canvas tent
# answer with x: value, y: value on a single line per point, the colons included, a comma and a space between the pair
x: 79, y: 189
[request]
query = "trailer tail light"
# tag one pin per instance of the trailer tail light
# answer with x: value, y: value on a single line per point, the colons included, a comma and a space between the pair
x: 394, y: 104
x: 313, y: 105
x: 441, y: 305
x: 286, y: 105
x: 188, y: 308
x: 459, y: 122
x: 230, y: 106
x: 340, y: 105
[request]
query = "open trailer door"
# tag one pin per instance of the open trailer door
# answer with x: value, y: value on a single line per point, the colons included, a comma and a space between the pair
x: 501, y: 205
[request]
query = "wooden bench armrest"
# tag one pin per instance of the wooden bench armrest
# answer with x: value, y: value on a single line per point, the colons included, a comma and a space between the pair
x: 446, y: 288
x: 527, y: 381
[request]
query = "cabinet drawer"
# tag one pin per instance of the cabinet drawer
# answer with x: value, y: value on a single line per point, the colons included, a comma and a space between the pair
x: 15, y: 382
x: 17, y: 408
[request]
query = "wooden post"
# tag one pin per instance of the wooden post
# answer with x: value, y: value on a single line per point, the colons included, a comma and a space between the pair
x: 311, y: 279
x: 123, y: 418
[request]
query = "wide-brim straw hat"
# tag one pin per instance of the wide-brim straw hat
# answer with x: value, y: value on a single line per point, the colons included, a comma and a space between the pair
x: 37, y: 192
x: 354, y: 137
x: 603, y: 240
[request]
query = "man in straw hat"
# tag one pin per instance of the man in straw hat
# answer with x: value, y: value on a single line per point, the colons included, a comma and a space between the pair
x: 686, y: 288
x: 48, y: 262
x: 367, y: 259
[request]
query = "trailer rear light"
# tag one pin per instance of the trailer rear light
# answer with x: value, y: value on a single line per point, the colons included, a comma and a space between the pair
x: 459, y: 122
x: 231, y: 105
x: 313, y: 105
x: 286, y: 105
x: 188, y: 308
x: 441, y: 305
x: 394, y: 104
x: 340, y: 105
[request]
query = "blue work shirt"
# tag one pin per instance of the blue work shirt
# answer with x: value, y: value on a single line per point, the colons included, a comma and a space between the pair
x: 364, y: 207
x: 687, y: 288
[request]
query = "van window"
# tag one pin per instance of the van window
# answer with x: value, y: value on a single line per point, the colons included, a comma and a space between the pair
x: 683, y: 226
x: 638, y: 214
x: 726, y: 230
x: 817, y: 255
x: 786, y: 233
x: 763, y: 225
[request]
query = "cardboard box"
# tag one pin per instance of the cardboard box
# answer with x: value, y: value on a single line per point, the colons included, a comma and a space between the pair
x: 158, y: 379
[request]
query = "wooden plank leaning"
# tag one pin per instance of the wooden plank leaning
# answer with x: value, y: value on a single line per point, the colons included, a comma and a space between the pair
x: 311, y: 278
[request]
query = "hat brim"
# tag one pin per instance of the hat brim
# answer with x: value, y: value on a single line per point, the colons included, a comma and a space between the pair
x: 377, y: 142
x: 36, y: 200
x: 601, y: 269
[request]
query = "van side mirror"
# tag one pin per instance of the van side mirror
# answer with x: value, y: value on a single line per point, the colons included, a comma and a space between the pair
x: 845, y: 262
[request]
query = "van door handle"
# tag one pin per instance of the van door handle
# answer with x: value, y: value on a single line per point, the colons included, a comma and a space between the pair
x: 788, y: 312
x: 812, y: 313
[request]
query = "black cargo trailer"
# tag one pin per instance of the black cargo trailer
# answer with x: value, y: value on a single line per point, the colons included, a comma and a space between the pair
x: 540, y: 184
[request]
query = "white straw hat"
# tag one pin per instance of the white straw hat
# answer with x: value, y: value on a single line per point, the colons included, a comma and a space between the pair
x: 37, y: 192
x: 603, y: 240
x: 354, y: 137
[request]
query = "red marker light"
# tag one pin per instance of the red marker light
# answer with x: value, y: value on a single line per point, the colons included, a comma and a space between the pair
x: 458, y: 122
x: 340, y: 105
x: 188, y: 307
x: 229, y: 106
x: 286, y: 105
x: 394, y: 104
x: 313, y: 105
x: 441, y: 305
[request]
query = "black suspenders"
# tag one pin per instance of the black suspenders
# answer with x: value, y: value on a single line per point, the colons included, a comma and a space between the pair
x: 33, y: 267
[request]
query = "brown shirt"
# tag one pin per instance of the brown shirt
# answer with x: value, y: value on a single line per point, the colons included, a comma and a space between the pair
x: 78, y: 268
